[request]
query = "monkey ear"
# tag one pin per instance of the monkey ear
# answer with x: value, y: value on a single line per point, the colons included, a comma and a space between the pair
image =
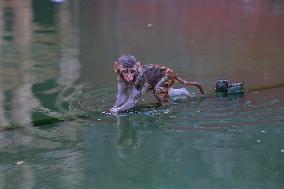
x: 139, y: 67
x: 116, y: 67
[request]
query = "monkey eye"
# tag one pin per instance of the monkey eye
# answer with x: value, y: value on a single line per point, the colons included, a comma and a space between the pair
x: 132, y: 71
x: 124, y: 71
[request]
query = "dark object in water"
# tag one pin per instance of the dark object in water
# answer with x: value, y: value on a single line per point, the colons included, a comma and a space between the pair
x: 229, y: 87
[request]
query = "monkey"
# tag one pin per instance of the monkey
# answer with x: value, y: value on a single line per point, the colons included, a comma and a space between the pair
x: 133, y: 78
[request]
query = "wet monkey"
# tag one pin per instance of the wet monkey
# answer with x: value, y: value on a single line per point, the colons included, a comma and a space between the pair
x: 133, y: 78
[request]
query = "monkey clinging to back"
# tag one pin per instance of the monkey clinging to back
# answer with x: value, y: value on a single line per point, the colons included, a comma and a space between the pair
x: 133, y: 78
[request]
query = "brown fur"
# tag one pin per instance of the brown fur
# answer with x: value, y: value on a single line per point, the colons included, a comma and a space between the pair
x: 133, y: 77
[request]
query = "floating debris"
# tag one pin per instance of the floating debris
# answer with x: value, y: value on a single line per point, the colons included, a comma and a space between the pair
x: 19, y: 162
x: 229, y: 87
x: 258, y: 141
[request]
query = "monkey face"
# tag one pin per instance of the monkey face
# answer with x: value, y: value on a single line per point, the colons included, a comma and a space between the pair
x: 127, y: 68
x: 129, y: 75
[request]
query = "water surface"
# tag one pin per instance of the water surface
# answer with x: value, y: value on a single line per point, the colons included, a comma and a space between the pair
x: 56, y: 82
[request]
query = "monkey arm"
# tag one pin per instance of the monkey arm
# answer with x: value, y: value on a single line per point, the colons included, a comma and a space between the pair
x: 131, y: 102
x: 122, y: 96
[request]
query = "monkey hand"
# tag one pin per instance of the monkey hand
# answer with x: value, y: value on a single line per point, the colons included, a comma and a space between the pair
x: 114, y: 110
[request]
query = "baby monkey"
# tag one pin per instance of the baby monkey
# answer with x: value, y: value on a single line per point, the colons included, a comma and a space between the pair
x: 133, y: 78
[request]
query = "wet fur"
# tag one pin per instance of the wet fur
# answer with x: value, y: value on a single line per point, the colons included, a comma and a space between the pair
x: 159, y: 79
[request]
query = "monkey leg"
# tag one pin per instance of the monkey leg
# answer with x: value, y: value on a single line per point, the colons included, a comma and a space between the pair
x: 161, y: 90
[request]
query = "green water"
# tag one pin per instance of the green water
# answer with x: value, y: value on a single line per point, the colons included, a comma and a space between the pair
x: 57, y: 81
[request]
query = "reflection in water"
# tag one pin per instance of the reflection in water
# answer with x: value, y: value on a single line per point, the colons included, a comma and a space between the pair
x: 69, y: 72
x: 69, y: 63
x: 16, y: 54
x: 127, y: 135
x: 30, y: 54
x: 24, y: 101
x: 3, y: 120
x: 201, y: 40
x: 27, y: 54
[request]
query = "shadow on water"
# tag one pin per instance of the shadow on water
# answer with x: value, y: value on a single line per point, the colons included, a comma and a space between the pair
x: 57, y: 82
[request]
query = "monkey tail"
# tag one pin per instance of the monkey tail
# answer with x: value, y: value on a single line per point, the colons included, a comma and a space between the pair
x: 190, y: 83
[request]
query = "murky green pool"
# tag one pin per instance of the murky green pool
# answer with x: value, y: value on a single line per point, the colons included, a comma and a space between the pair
x: 57, y: 81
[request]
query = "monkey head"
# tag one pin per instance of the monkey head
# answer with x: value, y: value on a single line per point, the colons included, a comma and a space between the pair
x: 127, y: 67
